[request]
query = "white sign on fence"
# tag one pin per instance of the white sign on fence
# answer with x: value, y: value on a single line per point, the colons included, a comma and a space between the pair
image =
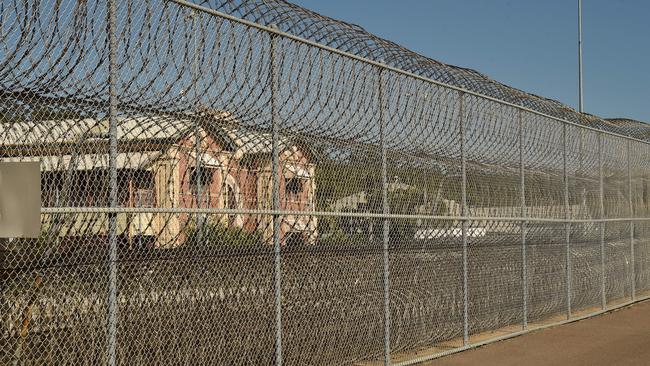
x: 20, y: 199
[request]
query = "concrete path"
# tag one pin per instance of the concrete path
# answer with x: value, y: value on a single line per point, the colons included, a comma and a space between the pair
x: 621, y: 337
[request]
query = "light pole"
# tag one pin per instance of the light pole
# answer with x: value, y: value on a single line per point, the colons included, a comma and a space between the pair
x: 580, y: 102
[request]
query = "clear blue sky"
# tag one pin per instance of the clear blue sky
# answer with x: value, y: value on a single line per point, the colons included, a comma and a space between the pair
x: 528, y: 44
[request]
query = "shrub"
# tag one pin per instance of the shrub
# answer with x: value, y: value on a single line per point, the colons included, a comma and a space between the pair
x: 216, y: 235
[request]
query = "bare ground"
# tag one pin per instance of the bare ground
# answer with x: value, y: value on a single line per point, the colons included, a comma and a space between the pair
x: 620, y: 337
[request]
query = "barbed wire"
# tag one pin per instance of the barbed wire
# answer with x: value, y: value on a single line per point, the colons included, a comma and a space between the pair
x: 271, y: 198
x: 356, y: 40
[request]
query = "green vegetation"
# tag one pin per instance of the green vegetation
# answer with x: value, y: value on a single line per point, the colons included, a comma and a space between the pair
x: 212, y: 235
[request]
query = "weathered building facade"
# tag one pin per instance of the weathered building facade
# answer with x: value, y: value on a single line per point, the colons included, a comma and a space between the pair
x: 167, y: 164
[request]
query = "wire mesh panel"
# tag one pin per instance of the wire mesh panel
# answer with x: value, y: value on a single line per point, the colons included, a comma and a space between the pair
x: 546, y: 270
x: 54, y: 310
x: 639, y: 178
x: 642, y: 257
x: 586, y: 269
x: 619, y: 261
x: 493, y: 158
x: 332, y: 281
x: 218, y: 191
x: 583, y: 173
x: 426, y: 296
x: 54, y: 288
x: 583, y: 185
x: 543, y: 168
x: 493, y: 190
x: 423, y: 177
x: 544, y: 194
x: 616, y: 179
x: 640, y: 196
x: 208, y: 302
x: 495, y: 275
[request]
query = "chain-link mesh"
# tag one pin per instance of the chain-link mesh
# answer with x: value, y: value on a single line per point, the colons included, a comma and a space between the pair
x: 217, y: 191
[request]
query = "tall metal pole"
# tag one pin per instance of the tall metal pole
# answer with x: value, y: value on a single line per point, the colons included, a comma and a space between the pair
x: 276, y: 202
x: 112, y: 184
x: 522, y: 192
x: 386, y: 224
x: 567, y: 225
x: 463, y: 165
x: 198, y: 174
x: 601, y: 198
x: 580, y: 96
x: 629, y: 193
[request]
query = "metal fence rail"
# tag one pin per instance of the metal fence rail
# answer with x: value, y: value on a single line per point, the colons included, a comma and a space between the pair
x: 217, y: 190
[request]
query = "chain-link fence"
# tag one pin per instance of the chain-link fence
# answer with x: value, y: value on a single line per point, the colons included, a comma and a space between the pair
x: 218, y: 191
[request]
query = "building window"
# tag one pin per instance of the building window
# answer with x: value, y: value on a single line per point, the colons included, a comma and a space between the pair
x: 200, y: 180
x: 293, y: 187
x: 95, y: 191
x: 52, y: 184
x: 142, y: 184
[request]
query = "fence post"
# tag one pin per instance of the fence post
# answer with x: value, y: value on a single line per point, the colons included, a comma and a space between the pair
x: 567, y: 225
x: 601, y: 198
x: 112, y: 183
x: 386, y: 223
x: 463, y: 167
x: 629, y: 193
x: 522, y: 187
x: 276, y: 203
x: 198, y: 176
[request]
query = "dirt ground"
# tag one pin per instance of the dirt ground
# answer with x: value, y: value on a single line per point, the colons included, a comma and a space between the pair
x: 620, y: 337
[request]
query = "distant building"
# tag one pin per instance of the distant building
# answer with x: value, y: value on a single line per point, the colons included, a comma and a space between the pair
x: 157, y: 168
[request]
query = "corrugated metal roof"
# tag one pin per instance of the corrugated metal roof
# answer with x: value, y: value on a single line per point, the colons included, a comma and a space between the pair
x: 89, y: 129
x: 139, y: 128
x: 131, y: 160
x: 254, y: 142
x: 45, y: 132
